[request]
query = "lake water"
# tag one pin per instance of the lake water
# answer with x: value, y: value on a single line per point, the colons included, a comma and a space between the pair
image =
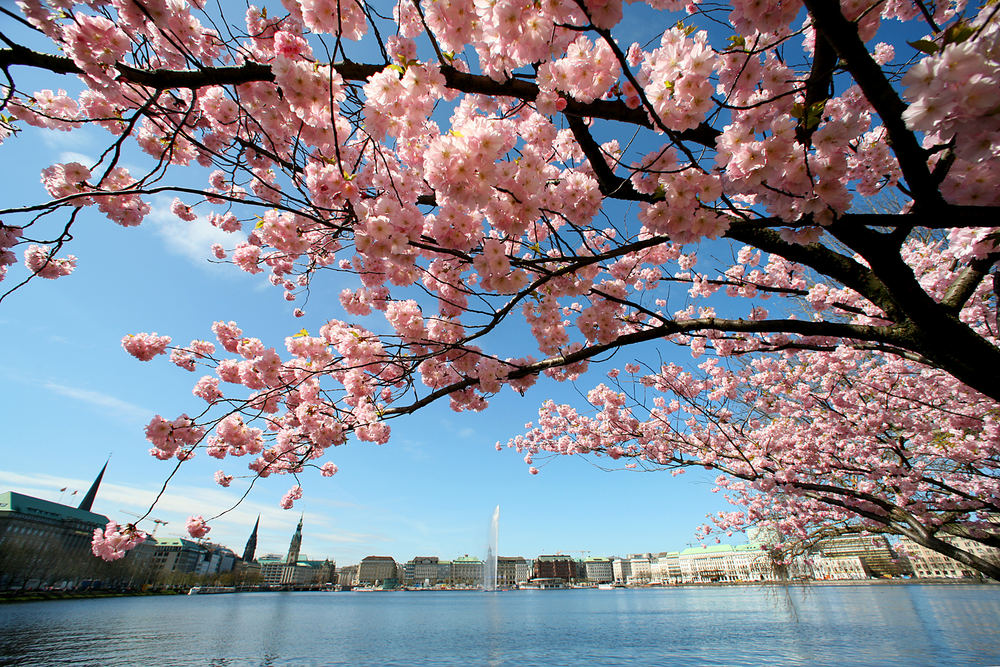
x: 914, y: 624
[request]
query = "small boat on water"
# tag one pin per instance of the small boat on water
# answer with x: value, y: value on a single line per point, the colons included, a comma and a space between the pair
x: 204, y: 590
x: 544, y: 584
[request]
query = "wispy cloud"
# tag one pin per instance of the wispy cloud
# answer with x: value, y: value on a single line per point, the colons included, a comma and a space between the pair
x: 125, y: 502
x: 191, y: 240
x: 73, y: 156
x: 460, y: 431
x: 66, y: 141
x: 113, y: 405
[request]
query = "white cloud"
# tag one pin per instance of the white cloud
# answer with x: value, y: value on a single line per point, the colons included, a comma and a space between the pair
x: 191, y: 240
x: 115, y: 406
x: 72, y: 156
x: 124, y: 502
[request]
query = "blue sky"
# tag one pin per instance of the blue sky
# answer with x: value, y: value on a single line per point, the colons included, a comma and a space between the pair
x: 74, y: 397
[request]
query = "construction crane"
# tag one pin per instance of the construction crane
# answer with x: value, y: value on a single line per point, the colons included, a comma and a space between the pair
x: 156, y: 522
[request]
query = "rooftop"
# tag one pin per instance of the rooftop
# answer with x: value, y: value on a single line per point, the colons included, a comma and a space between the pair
x: 18, y: 503
x: 174, y: 542
x: 467, y: 559
x: 714, y: 549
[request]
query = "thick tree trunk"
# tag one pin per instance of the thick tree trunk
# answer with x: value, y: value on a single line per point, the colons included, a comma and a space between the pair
x: 988, y: 568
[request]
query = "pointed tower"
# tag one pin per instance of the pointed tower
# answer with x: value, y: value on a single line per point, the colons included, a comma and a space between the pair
x: 251, y: 548
x: 295, y: 545
x: 88, y: 500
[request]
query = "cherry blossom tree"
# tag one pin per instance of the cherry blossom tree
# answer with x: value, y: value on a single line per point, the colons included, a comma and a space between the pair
x: 812, y: 444
x: 469, y: 163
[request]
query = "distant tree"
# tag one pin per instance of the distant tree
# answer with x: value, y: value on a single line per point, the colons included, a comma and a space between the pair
x: 480, y: 165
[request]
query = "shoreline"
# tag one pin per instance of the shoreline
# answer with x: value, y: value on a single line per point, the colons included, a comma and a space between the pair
x: 42, y: 596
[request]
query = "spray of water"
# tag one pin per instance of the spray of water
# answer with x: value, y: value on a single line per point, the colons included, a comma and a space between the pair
x: 490, y: 564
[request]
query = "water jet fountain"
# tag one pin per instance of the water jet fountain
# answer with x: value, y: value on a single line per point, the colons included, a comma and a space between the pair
x: 490, y: 563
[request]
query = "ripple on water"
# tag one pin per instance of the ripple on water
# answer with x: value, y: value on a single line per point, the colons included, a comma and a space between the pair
x: 797, y: 625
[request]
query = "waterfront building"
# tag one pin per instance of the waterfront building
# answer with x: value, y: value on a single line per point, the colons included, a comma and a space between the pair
x: 819, y: 567
x: 291, y: 570
x: 444, y: 572
x: 376, y: 570
x: 44, y: 543
x: 512, y: 571
x: 275, y: 572
x: 725, y: 563
x: 928, y: 564
x: 640, y: 568
x: 248, y: 573
x: 278, y: 573
x: 621, y: 568
x: 348, y: 575
x: 598, y: 570
x: 665, y: 568
x: 216, y: 559
x: 176, y: 555
x: 174, y: 560
x: 555, y: 567
x: 426, y: 571
x: 874, y: 552
x: 467, y: 571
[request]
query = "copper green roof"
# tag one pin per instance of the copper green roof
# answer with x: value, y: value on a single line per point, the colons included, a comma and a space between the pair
x: 714, y: 549
x: 18, y: 503
x: 273, y: 559
x: 467, y: 559
x: 174, y: 542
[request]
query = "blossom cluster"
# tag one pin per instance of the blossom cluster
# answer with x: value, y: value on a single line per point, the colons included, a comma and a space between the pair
x: 457, y: 193
x: 114, y: 541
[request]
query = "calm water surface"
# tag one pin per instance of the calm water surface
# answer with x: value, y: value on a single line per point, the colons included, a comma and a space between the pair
x: 798, y: 625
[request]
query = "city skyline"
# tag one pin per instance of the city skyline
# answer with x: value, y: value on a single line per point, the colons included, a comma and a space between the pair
x: 277, y: 525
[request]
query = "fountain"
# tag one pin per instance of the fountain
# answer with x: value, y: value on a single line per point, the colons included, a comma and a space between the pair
x: 490, y: 564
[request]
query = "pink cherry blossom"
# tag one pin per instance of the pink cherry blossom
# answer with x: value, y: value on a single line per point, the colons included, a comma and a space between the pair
x: 145, y: 346
x: 196, y: 527
x: 114, y: 541
x: 39, y: 260
x: 289, y: 498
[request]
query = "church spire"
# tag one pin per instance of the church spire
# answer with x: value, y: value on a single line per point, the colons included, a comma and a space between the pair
x: 295, y: 545
x: 88, y: 500
x: 251, y: 548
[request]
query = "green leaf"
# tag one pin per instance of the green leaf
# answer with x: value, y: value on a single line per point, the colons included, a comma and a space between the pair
x: 815, y: 114
x: 688, y: 29
x: 925, y: 46
x: 958, y: 33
